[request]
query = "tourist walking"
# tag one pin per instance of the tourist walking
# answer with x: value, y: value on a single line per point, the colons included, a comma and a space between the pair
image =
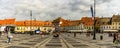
x: 9, y: 37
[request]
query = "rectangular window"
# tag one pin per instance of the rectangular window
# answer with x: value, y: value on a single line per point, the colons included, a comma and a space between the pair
x: 113, y: 27
x: 106, y: 26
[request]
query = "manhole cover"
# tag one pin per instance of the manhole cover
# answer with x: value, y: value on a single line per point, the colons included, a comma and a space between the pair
x: 16, y: 47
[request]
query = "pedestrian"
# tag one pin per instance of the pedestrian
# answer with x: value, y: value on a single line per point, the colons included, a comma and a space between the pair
x: 74, y: 34
x: 1, y: 33
x: 56, y: 35
x: 88, y: 34
x: 42, y: 34
x: 9, y: 37
x: 119, y: 38
x: 116, y: 43
x: 114, y: 37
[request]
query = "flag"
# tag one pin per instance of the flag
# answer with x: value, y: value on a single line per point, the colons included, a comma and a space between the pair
x: 92, y: 12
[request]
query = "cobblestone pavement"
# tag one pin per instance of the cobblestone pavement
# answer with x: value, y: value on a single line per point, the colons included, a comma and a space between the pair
x: 65, y: 40
x: 107, y: 41
x: 21, y: 41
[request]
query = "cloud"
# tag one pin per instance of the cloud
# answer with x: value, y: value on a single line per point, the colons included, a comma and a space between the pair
x: 51, y: 9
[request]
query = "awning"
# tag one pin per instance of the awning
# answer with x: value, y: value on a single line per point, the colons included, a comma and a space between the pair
x: 77, y: 31
x: 110, y: 30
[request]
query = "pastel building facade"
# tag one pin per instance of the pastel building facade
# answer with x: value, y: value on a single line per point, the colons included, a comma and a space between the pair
x: 116, y: 22
x: 25, y: 26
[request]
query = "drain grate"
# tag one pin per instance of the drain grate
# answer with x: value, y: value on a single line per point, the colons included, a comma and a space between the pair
x: 33, y: 41
x: 79, y: 45
x: 53, y: 45
x: 28, y: 43
x: 17, y: 47
x: 92, y: 42
x: 105, y: 44
x: 55, y: 42
x: 73, y: 42
x: 16, y: 40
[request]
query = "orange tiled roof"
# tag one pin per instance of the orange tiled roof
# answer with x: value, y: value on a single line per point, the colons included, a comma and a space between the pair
x: 7, y: 21
x: 66, y: 22
x: 87, y: 21
x: 33, y: 23
x: 71, y: 23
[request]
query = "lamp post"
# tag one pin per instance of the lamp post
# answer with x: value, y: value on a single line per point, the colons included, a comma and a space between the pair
x: 31, y: 23
x: 94, y: 33
x: 24, y: 26
x: 56, y: 24
x: 60, y: 25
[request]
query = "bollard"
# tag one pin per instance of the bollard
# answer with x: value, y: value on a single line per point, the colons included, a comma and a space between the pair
x: 101, y: 37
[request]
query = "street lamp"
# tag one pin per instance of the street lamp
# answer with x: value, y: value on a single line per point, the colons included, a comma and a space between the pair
x: 31, y: 23
x: 57, y: 24
x: 94, y: 33
x: 60, y: 25
x: 24, y: 26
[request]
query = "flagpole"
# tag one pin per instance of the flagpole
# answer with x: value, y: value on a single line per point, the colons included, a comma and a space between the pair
x: 94, y: 33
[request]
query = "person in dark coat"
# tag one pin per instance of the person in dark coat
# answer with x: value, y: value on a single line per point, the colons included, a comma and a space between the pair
x: 114, y: 37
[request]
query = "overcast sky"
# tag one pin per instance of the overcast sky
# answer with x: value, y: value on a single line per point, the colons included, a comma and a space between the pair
x: 51, y: 9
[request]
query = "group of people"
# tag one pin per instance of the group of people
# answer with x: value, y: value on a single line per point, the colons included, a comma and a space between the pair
x: 56, y: 34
